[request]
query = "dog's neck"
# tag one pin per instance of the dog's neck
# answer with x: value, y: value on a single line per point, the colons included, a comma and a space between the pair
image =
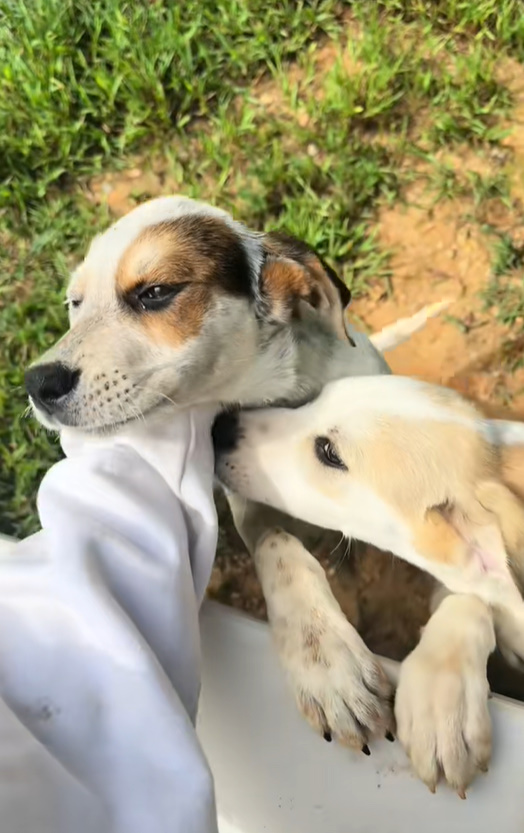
x: 293, y: 363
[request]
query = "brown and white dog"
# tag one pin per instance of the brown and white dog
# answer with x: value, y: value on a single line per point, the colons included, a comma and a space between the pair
x: 178, y: 302
x: 176, y: 305
x: 417, y: 470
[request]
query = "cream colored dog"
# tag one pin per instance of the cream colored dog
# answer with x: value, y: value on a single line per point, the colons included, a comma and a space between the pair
x: 414, y: 469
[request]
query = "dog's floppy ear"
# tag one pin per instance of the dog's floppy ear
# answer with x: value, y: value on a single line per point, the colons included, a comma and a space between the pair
x: 293, y: 273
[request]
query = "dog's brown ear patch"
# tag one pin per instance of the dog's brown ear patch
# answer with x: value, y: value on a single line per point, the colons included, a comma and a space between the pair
x: 293, y: 274
x: 284, y: 245
x: 284, y: 284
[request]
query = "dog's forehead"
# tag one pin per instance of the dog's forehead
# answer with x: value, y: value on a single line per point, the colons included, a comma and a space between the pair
x: 99, y: 269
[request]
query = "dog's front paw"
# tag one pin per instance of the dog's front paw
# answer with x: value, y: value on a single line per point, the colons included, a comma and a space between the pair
x: 441, y: 706
x: 339, y: 685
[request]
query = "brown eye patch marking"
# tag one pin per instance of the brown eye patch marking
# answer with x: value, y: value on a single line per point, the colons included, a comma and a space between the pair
x: 194, y: 248
x: 203, y: 253
x: 184, y: 318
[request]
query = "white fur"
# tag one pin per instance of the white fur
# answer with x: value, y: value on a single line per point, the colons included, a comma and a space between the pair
x: 232, y: 359
x: 441, y: 701
x: 250, y: 368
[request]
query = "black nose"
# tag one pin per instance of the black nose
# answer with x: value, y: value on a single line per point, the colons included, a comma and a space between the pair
x: 225, y: 432
x: 47, y: 383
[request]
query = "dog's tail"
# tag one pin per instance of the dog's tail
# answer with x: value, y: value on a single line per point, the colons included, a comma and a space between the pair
x: 400, y: 331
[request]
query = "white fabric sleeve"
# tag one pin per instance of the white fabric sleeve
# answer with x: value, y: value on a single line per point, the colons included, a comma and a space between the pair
x: 99, y: 635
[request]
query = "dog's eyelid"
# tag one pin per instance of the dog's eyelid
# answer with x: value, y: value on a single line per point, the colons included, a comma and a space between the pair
x: 146, y: 285
x: 73, y: 302
x: 327, y: 454
x: 145, y: 298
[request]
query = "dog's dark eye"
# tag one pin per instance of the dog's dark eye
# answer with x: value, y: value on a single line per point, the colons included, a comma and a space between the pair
x: 327, y: 454
x: 74, y: 303
x: 157, y: 297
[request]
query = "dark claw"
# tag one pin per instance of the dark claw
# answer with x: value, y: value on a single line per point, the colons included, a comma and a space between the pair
x: 389, y: 736
x: 366, y: 749
x: 327, y: 736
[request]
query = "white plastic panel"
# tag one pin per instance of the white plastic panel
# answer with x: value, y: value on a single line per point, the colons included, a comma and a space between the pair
x: 274, y: 774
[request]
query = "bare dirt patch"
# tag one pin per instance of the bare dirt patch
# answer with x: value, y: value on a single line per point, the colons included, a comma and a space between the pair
x: 439, y: 251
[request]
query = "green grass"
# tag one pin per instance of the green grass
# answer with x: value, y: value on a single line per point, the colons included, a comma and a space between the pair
x: 84, y: 87
x: 493, y: 22
x: 505, y: 292
x: 84, y: 81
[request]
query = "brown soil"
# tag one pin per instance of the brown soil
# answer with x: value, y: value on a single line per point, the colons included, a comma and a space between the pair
x: 439, y: 252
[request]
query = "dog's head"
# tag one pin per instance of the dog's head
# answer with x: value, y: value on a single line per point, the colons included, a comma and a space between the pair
x: 169, y: 305
x: 299, y: 460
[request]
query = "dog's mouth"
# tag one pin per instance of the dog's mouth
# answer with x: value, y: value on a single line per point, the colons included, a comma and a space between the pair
x: 70, y: 418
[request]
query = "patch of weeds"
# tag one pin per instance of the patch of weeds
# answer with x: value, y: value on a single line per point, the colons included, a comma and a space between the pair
x: 448, y: 182
x: 374, y: 83
x: 494, y: 22
x: 469, y: 101
x: 85, y: 82
x: 484, y: 187
x: 443, y: 180
x: 508, y: 256
x: 505, y: 292
x: 273, y: 173
x: 406, y: 80
x: 456, y: 322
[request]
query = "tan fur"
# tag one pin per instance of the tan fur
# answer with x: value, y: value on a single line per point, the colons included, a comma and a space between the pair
x: 497, y: 498
x: 170, y: 253
x: 293, y: 272
x: 437, y: 540
x: 180, y: 252
x: 441, y: 701
x: 512, y: 462
x: 181, y: 322
x: 460, y: 466
x: 398, y: 446
x: 285, y: 282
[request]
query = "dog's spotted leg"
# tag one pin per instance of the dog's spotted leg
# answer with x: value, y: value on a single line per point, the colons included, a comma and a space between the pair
x: 441, y: 706
x: 338, y: 684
